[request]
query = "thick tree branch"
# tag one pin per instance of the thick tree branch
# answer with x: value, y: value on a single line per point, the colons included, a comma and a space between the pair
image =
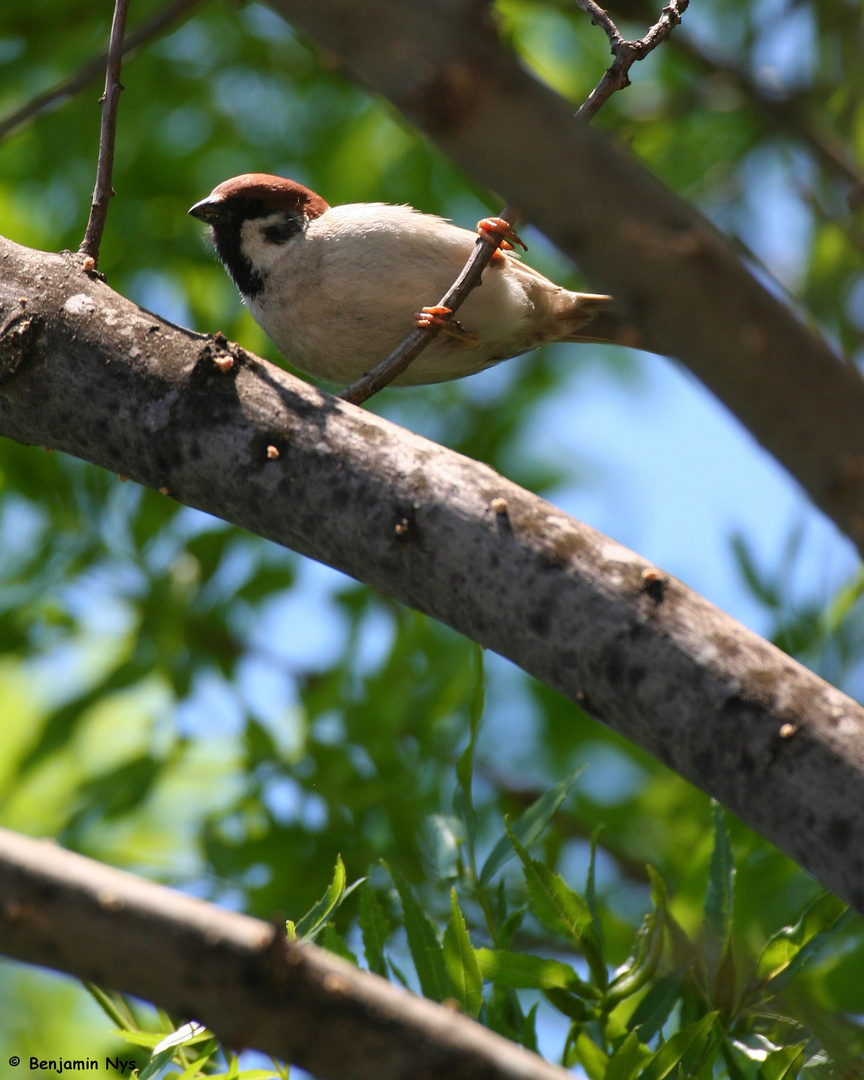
x: 671, y: 272
x: 86, y: 371
x: 237, y: 975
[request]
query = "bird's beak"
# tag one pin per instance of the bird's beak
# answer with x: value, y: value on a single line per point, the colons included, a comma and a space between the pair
x: 207, y: 210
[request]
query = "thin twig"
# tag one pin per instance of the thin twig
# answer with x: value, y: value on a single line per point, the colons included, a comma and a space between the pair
x: 393, y: 366
x: 105, y: 166
x: 93, y: 68
x: 600, y: 17
x: 790, y: 113
x: 626, y: 54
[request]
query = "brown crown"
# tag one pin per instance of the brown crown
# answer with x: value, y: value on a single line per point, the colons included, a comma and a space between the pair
x: 273, y: 191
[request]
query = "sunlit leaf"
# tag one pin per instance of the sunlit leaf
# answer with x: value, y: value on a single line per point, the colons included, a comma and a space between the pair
x: 461, y: 961
x: 305, y: 928
x: 524, y: 972
x: 783, y: 1064
x: 554, y: 903
x: 794, y: 946
x: 592, y: 1058
x: 647, y: 950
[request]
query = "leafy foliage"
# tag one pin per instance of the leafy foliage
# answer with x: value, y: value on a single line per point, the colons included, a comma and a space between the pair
x: 678, y: 1006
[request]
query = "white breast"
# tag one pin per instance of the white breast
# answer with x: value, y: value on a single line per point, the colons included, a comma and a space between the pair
x: 342, y: 295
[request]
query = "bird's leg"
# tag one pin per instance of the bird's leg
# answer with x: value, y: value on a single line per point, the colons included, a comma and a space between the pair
x: 441, y: 317
x: 497, y: 226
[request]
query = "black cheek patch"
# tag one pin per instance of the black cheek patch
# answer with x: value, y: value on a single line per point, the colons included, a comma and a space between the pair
x: 248, y: 280
x: 283, y: 230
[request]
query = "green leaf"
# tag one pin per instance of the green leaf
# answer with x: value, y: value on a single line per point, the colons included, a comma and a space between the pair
x: 554, y: 903
x: 729, y: 1056
x: 694, y: 1036
x: 251, y: 1074
x: 628, y: 1059
x: 726, y: 983
x: 156, y: 1064
x: 718, y: 898
x: 529, y: 1028
x: 332, y: 941
x: 647, y: 950
x: 519, y: 971
x: 199, y: 1063
x: 113, y: 1004
x: 461, y: 962
x: 375, y: 928
x: 307, y: 927
x: 508, y: 922
x: 528, y: 827
x: 569, y: 1005
x: 783, y: 1064
x: 843, y: 603
x: 462, y: 800
x: 591, y: 883
x: 426, y: 950
x: 794, y: 946
x: 653, y: 1010
x: 147, y: 1039
x: 593, y: 1060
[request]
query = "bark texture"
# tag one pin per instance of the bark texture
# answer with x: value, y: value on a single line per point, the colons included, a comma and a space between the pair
x: 673, y: 274
x: 86, y: 371
x: 237, y: 975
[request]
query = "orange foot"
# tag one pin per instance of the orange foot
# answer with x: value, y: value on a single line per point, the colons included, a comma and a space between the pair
x: 491, y: 228
x: 440, y: 317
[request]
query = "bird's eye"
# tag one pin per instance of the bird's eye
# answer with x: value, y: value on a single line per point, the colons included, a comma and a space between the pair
x: 277, y: 232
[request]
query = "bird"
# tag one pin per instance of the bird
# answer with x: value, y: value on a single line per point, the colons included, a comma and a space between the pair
x: 337, y: 288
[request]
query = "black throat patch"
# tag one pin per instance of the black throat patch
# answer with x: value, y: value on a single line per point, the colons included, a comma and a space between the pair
x: 227, y: 237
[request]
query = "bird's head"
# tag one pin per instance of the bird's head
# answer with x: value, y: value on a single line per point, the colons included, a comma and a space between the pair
x: 252, y: 217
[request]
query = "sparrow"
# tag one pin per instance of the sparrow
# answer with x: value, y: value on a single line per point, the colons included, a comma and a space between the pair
x: 337, y: 288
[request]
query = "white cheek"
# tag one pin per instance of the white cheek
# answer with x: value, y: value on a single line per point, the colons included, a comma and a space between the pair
x: 262, y: 253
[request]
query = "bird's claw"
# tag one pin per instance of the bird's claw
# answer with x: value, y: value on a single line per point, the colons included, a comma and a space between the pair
x: 441, y: 318
x: 491, y: 228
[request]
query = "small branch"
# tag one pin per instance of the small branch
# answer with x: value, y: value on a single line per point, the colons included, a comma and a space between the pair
x: 110, y: 101
x: 393, y: 366
x: 93, y: 68
x: 626, y: 53
x: 600, y: 17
